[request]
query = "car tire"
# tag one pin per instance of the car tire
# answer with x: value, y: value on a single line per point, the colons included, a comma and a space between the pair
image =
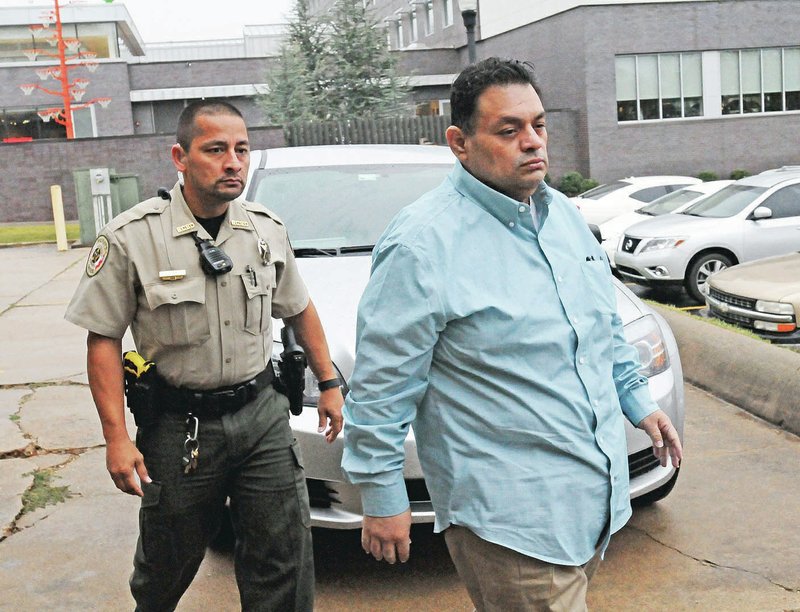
x: 655, y: 495
x: 699, y: 271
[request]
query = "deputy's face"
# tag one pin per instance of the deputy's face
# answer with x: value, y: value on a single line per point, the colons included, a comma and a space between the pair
x: 508, y: 147
x: 215, y: 166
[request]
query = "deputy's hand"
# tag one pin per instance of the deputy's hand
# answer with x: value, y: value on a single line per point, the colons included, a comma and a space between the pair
x: 123, y: 460
x: 387, y: 538
x: 662, y: 432
x: 330, y: 413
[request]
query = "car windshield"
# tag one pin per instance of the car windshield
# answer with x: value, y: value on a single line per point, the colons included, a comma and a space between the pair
x: 603, y: 190
x: 336, y: 207
x: 668, y: 203
x: 727, y: 202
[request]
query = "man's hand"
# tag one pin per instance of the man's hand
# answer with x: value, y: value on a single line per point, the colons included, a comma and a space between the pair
x: 330, y: 413
x: 387, y: 538
x: 662, y: 432
x: 122, y: 460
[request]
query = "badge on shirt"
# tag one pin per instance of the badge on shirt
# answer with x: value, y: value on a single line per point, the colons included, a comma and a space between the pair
x: 98, y: 256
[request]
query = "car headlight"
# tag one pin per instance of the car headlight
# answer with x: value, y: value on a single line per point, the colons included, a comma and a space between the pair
x: 659, y: 244
x: 778, y: 308
x: 645, y: 336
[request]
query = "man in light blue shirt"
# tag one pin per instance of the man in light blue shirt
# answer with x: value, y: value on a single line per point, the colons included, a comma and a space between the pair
x: 490, y: 324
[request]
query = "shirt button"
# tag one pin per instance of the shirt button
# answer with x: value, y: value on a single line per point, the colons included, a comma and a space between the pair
x: 511, y: 224
x: 227, y: 360
x: 224, y: 283
x: 174, y: 296
x: 521, y: 209
x: 582, y: 360
x: 560, y: 279
x: 227, y: 323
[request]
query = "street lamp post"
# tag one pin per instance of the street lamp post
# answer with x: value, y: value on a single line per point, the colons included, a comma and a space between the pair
x: 469, y: 13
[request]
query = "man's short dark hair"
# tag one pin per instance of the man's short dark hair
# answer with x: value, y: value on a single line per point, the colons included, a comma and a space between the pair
x: 186, y: 122
x: 477, y: 78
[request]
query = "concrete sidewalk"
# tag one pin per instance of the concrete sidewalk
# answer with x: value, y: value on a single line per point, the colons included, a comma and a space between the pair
x: 48, y: 420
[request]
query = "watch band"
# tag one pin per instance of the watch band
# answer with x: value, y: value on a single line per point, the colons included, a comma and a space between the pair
x: 331, y: 383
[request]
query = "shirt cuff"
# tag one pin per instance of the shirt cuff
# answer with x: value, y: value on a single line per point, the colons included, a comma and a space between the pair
x: 384, y: 499
x: 637, y: 404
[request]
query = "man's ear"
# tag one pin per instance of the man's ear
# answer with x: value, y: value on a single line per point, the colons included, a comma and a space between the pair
x: 456, y: 141
x: 178, y: 157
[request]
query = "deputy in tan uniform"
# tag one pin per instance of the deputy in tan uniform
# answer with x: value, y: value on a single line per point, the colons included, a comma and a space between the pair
x: 220, y: 429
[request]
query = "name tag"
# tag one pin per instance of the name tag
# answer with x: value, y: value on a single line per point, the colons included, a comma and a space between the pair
x: 184, y: 228
x: 242, y: 224
x: 171, y: 275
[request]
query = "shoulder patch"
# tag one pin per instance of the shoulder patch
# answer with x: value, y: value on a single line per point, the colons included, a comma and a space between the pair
x: 97, y: 256
x: 262, y: 210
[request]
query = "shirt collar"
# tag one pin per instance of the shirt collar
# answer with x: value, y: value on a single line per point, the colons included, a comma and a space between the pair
x: 500, y: 206
x: 184, y: 222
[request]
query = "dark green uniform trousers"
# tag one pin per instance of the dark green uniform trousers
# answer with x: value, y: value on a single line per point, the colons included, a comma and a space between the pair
x: 251, y: 457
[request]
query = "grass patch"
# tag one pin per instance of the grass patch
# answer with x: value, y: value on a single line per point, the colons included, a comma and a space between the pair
x: 14, y: 234
x: 42, y: 493
x: 13, y: 417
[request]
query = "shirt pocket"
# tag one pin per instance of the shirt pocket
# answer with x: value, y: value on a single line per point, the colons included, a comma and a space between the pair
x: 258, y: 286
x: 177, y: 313
x: 600, y: 286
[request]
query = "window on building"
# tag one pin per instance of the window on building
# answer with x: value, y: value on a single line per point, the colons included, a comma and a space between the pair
x: 659, y: 86
x: 447, y: 13
x: 433, y: 107
x: 398, y: 28
x: 760, y: 80
x: 429, y: 18
x: 21, y: 125
x: 414, y: 26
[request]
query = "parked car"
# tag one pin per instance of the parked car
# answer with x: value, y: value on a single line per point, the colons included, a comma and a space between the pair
x: 677, y: 201
x: 762, y: 296
x: 335, y: 202
x: 755, y: 217
x: 600, y: 204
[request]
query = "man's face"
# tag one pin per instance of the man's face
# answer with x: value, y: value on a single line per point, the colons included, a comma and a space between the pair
x: 508, y: 147
x: 215, y: 166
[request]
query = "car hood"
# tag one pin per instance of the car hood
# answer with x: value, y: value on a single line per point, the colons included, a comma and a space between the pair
x: 772, y: 278
x: 673, y: 225
x: 616, y: 225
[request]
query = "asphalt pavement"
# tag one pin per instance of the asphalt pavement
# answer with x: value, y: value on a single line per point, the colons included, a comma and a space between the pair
x: 47, y: 420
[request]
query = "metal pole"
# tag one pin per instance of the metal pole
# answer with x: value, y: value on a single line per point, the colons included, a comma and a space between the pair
x: 470, y: 18
x: 58, y: 217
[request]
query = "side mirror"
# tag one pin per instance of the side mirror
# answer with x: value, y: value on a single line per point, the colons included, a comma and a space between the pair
x: 762, y: 212
x: 596, y: 232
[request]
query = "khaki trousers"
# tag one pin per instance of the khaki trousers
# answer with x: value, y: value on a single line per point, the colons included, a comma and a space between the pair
x: 499, y: 579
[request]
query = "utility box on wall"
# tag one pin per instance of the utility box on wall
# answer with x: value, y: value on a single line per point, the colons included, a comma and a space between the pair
x: 101, y: 194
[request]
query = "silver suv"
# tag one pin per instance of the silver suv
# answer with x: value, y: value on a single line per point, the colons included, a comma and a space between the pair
x: 335, y: 202
x: 757, y: 216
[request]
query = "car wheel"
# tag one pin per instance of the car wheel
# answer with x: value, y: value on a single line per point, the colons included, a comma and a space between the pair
x: 656, y: 494
x: 700, y: 270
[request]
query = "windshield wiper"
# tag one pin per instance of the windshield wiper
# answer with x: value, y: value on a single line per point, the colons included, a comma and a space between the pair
x: 332, y: 252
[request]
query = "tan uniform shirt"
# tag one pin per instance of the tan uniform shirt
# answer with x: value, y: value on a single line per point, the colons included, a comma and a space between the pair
x: 201, y: 331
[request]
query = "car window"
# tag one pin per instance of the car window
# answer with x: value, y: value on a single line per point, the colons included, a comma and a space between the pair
x: 341, y: 206
x: 727, y: 202
x: 784, y: 202
x: 604, y: 190
x: 648, y: 194
x: 671, y: 201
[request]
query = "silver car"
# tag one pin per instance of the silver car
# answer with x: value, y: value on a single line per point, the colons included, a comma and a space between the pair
x: 757, y: 216
x: 335, y: 202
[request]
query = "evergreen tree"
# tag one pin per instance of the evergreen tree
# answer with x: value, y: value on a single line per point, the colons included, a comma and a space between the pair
x: 337, y: 67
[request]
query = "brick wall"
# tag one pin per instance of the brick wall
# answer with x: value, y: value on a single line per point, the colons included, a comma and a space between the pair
x: 30, y: 168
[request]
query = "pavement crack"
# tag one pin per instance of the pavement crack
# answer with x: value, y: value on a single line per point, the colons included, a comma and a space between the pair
x: 714, y: 564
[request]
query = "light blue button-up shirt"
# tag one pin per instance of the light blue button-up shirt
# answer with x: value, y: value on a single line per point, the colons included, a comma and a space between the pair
x: 501, y: 344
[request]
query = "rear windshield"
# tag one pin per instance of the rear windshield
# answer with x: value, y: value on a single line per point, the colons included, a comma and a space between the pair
x: 602, y: 190
x: 727, y: 202
x: 342, y: 206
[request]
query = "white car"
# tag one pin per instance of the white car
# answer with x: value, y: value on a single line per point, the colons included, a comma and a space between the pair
x: 674, y: 202
x: 600, y: 204
x: 335, y: 202
x: 755, y: 217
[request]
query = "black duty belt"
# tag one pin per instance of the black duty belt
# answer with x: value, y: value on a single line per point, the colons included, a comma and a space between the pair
x: 213, y: 402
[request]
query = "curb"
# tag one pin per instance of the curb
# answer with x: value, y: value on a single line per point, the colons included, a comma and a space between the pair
x: 716, y: 360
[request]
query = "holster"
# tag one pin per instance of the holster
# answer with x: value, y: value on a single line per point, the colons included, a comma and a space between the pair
x: 140, y: 388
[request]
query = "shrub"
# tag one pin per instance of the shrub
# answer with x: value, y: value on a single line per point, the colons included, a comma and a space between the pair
x: 739, y: 174
x: 573, y: 183
x: 707, y: 175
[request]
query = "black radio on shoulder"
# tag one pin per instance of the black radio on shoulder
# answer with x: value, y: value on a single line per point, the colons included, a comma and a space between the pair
x: 213, y: 259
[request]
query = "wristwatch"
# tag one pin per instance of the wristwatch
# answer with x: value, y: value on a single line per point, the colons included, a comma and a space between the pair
x: 331, y: 383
